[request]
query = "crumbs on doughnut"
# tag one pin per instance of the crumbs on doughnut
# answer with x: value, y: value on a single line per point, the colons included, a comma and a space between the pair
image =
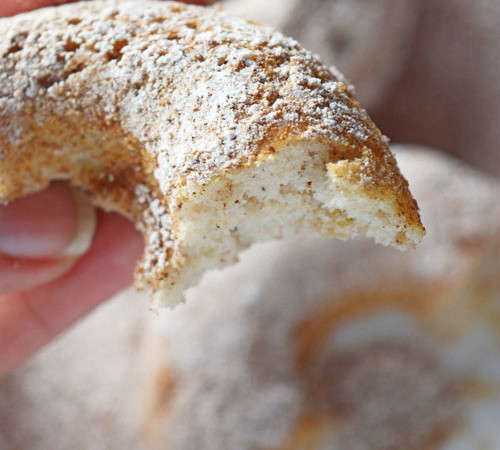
x: 210, y: 133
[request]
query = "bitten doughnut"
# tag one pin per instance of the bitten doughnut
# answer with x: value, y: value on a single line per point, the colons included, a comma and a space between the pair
x: 409, y: 342
x: 210, y: 133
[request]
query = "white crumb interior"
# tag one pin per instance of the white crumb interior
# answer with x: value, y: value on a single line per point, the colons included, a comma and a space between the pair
x: 286, y: 195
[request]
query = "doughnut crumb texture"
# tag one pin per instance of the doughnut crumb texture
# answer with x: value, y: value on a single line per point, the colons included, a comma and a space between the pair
x: 209, y: 132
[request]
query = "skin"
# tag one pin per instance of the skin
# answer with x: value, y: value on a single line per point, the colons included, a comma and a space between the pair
x: 11, y: 7
x: 42, y: 294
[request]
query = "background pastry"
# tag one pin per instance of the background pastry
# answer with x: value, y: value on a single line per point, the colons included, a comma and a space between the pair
x: 83, y: 390
x: 345, y: 345
x: 448, y: 93
x: 302, y: 344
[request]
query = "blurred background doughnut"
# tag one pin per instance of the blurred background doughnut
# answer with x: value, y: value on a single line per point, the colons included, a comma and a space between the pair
x: 304, y: 344
x: 448, y: 93
x: 81, y: 392
x: 345, y: 345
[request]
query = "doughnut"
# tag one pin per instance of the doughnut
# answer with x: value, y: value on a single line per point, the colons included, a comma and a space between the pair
x: 457, y: 78
x: 80, y: 392
x: 208, y: 132
x: 344, y: 345
x: 213, y: 375
x: 366, y: 40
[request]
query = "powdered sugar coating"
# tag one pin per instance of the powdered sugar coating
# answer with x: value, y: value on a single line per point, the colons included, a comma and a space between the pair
x: 198, y: 89
x: 367, y: 40
x: 189, y: 92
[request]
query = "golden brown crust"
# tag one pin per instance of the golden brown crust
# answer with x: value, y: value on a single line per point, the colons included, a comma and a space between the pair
x: 133, y: 100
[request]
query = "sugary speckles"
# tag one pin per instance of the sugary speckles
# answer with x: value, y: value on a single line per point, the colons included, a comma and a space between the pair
x: 196, y: 91
x: 230, y: 80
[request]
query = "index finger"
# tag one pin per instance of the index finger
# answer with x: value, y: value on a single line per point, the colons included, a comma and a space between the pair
x: 11, y: 7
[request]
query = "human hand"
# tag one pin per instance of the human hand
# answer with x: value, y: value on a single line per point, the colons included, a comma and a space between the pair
x: 49, y: 277
x: 11, y: 7
x: 59, y: 258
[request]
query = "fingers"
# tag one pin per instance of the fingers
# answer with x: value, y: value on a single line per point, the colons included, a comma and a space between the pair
x: 30, y: 319
x: 200, y: 2
x: 11, y: 7
x: 42, y: 235
x: 39, y: 225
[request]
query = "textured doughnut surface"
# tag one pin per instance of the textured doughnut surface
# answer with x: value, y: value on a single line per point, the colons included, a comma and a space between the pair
x: 404, y: 347
x: 192, y: 123
x: 366, y: 40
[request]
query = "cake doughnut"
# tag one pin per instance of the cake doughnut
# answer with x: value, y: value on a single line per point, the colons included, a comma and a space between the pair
x: 230, y: 353
x: 81, y: 391
x: 453, y: 70
x: 208, y: 132
x: 366, y: 40
x: 314, y: 345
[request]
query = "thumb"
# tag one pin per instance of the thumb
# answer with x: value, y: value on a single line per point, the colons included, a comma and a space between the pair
x: 42, y: 235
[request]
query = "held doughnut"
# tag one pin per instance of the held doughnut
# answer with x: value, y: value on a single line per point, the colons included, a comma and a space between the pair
x: 208, y: 132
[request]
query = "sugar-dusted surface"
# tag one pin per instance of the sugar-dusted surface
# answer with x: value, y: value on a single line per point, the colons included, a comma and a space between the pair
x: 367, y: 40
x: 201, y: 91
x: 170, y: 96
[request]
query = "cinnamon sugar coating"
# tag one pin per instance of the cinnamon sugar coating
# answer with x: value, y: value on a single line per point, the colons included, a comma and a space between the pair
x: 137, y: 100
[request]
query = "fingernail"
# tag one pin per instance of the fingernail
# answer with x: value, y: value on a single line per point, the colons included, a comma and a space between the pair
x: 58, y: 222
